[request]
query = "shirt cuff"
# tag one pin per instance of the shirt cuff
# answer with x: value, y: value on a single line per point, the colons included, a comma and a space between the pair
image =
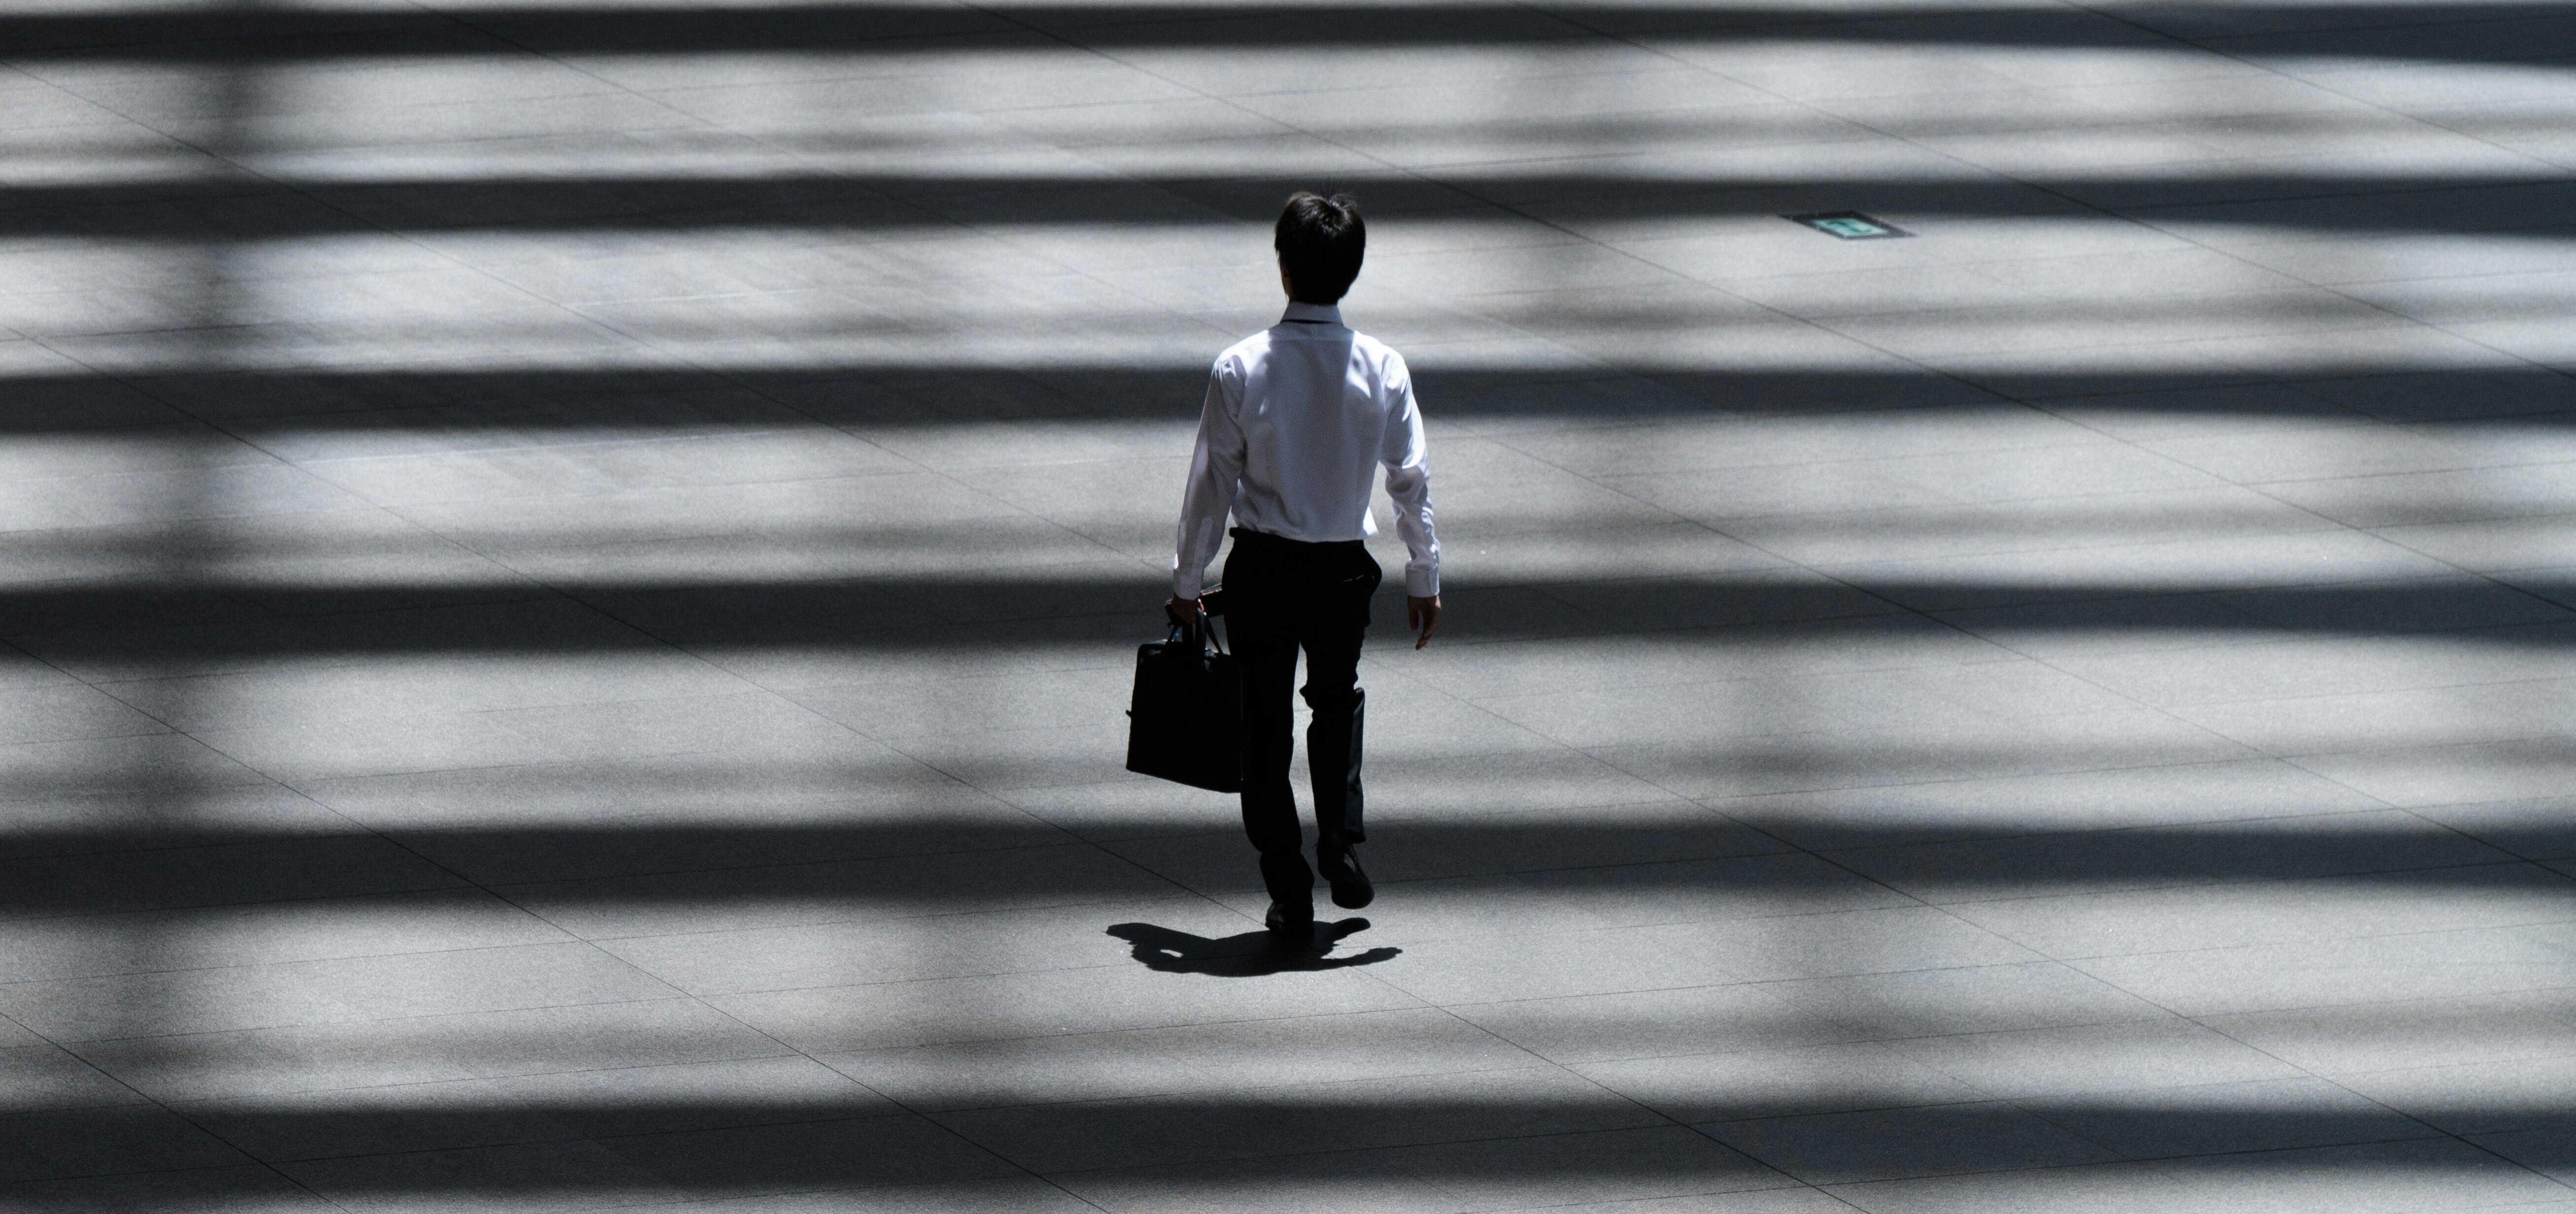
x: 1422, y: 583
x: 1187, y: 585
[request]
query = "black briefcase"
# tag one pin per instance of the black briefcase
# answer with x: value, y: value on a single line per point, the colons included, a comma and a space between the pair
x: 1185, y: 720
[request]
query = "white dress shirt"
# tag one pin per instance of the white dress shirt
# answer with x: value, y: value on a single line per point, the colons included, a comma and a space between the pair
x: 1298, y: 418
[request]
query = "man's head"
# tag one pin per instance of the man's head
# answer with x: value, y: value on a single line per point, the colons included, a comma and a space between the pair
x: 1320, y: 241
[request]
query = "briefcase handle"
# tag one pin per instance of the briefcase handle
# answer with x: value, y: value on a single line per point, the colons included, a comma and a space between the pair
x: 1201, y: 633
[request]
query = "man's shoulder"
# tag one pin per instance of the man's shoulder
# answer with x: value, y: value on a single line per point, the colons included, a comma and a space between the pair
x: 1244, y: 353
x: 1378, y: 354
x: 1374, y: 348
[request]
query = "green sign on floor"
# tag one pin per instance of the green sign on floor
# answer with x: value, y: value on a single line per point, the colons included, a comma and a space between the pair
x: 1849, y: 225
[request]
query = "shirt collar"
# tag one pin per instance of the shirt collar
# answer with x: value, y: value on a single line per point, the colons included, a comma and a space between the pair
x: 1323, y: 313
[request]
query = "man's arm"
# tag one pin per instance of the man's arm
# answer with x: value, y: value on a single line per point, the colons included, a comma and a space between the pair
x: 1408, y: 487
x: 1216, y: 468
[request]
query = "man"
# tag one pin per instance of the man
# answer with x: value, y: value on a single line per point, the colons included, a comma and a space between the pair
x: 1297, y: 419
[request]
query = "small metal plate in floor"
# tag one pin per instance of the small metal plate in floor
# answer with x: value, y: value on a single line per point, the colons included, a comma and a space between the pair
x: 1849, y: 225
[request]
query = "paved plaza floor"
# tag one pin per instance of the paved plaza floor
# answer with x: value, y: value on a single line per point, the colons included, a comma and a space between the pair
x: 572, y: 568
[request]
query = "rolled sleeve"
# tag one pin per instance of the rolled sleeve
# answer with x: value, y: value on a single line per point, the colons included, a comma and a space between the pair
x: 1216, y: 468
x: 1408, y: 487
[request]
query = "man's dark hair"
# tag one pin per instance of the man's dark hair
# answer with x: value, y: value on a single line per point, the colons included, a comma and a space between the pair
x: 1320, y: 242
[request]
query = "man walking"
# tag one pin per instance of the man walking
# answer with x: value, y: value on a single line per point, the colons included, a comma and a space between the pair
x: 1297, y: 420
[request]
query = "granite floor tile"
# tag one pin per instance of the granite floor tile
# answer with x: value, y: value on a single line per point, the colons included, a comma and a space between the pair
x: 2104, y: 861
x: 1770, y: 1083
x: 2447, y: 1029
x: 738, y: 899
x: 2318, y: 973
x: 1532, y: 963
x: 1841, y: 1148
x: 2432, y: 1173
x: 2263, y: 1115
x: 65, y: 1143
x: 1274, y: 1185
x: 2251, y: 913
x: 1980, y: 999
x: 338, y: 864
x: 1632, y: 1167
x: 547, y: 1176
x: 2472, y: 1097
x: 314, y: 992
x: 1656, y: 1024
x: 78, y: 946
x: 903, y: 950
x: 2080, y: 1063
x: 1466, y: 1107
x: 983, y: 1008
x: 2116, y: 1188
x: 248, y: 1186
x: 374, y: 1121
x: 266, y: 1063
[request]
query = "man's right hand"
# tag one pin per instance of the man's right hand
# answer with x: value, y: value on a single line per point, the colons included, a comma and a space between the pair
x: 1423, y: 614
x: 1181, y: 610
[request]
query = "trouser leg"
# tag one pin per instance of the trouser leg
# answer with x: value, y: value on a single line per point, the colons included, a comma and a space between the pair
x: 1265, y: 655
x: 1338, y: 620
x: 1333, y: 765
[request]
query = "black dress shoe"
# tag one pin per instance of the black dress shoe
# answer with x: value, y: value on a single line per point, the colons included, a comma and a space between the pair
x: 1341, y: 866
x: 1291, y: 928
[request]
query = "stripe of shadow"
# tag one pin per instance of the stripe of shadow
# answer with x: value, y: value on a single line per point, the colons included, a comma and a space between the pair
x: 753, y: 1147
x: 891, y: 867
x: 2440, y: 202
x: 271, y: 34
x: 133, y: 625
x: 520, y: 407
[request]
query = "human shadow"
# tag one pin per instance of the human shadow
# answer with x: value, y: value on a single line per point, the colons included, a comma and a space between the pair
x: 1247, y: 955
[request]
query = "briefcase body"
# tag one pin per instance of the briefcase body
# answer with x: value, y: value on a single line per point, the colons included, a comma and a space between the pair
x: 1185, y: 719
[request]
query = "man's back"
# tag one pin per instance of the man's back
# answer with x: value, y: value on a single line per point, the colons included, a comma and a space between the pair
x: 1315, y: 402
x: 1297, y: 420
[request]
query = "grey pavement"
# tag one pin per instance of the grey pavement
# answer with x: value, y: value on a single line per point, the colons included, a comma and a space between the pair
x: 571, y: 570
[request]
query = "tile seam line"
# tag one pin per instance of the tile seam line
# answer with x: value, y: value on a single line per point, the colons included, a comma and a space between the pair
x: 1179, y: 894
x: 569, y: 1137
x: 982, y: 975
x: 2505, y: 465
x: 711, y: 994
x: 726, y: 435
x: 2425, y: 689
x: 2353, y: 877
x: 2251, y: 756
x: 1213, y: 1088
x: 424, y: 893
x: 1411, y: 1009
x: 2317, y: 942
x: 360, y: 830
x: 2097, y: 832
x: 569, y: 941
x: 2556, y: 175
x: 1787, y: 1181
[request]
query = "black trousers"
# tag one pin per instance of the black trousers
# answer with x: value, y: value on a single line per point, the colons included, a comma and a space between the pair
x: 1282, y: 596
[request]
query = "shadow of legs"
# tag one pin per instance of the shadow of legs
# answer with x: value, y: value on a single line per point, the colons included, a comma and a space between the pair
x: 1247, y: 955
